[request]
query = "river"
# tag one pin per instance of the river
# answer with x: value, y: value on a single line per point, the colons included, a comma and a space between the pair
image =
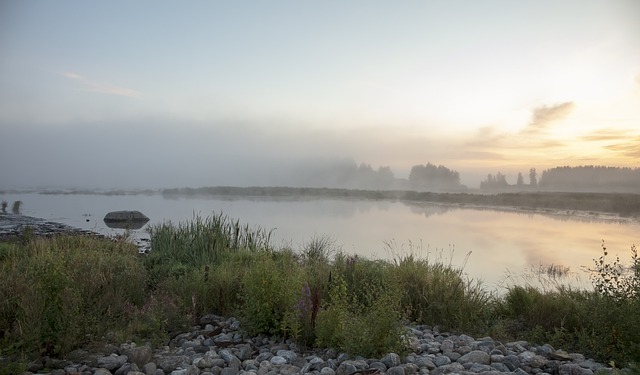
x: 494, y: 246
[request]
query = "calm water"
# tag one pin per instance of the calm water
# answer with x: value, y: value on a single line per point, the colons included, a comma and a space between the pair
x: 500, y: 242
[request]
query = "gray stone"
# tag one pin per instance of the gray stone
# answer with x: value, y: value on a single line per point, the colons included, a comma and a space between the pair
x: 170, y: 363
x: 511, y: 361
x: 244, y: 352
x: 289, y: 369
x: 410, y: 368
x: 218, y: 362
x: 316, y: 363
x: 447, y: 346
x: 203, y: 362
x: 520, y: 371
x: 591, y: 365
x: 425, y: 362
x: 500, y: 367
x: 123, y: 370
x: 289, y: 355
x: 476, y: 356
x: 139, y: 355
x: 448, y: 369
x: 396, y: 370
x: 149, y: 368
x: 112, y: 362
x: 327, y: 371
x: 477, y: 367
x: 102, y: 371
x: 229, y: 371
x: 391, y: 360
x: 573, y: 369
x: 453, y: 356
x: 125, y: 219
x: 346, y: 368
x: 278, y: 360
x: 378, y: 365
x: 441, y: 360
x: 226, y: 355
x: 264, y: 356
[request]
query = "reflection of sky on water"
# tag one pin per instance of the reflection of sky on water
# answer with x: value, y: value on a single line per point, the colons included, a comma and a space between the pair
x: 500, y: 241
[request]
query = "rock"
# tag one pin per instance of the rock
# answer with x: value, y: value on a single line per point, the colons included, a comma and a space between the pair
x: 125, y: 219
x: 391, y: 360
x: 149, y: 368
x: 123, y: 370
x: 447, y: 369
x: 112, y: 362
x: 278, y: 360
x: 289, y: 355
x: 396, y: 370
x: 170, y: 363
x: 102, y: 371
x: 289, y: 370
x: 476, y: 356
x: 573, y: 369
x: 441, y: 360
x: 346, y: 368
x: 140, y: 355
x: 591, y: 365
x: 229, y: 371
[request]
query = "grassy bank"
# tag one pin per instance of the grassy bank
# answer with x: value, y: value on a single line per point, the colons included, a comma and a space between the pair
x: 68, y: 292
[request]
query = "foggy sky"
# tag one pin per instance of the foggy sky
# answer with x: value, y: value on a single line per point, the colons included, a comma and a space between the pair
x: 149, y: 95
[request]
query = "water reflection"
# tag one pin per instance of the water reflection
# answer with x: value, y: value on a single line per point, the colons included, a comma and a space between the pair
x: 500, y: 240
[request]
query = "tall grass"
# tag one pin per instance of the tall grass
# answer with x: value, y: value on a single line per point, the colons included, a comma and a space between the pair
x: 55, y: 293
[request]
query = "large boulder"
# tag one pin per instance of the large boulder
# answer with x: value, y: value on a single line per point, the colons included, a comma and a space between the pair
x: 125, y: 219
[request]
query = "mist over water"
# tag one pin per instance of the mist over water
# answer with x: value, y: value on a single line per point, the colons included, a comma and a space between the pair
x: 499, y: 242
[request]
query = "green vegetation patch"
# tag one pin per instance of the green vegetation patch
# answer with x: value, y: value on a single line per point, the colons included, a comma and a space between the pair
x: 69, y: 292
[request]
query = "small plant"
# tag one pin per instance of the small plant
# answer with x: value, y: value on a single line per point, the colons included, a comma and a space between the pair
x: 16, y: 207
x: 614, y: 279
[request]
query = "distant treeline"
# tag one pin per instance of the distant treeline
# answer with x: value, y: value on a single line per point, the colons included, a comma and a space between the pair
x: 570, y: 179
x: 591, y: 178
x: 627, y: 205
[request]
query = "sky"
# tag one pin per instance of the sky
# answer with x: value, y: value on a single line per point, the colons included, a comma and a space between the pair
x: 144, y: 94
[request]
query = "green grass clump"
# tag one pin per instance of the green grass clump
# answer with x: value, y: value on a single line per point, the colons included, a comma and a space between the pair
x: 55, y: 293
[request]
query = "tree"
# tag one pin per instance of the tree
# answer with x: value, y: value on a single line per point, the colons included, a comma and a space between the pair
x: 431, y: 177
x: 533, y: 179
x: 520, y: 181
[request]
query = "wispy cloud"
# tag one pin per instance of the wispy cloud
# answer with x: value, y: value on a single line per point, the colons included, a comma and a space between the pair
x: 630, y: 148
x: 606, y: 135
x: 543, y: 116
x: 102, y: 87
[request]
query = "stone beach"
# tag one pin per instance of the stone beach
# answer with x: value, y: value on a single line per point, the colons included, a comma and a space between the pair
x: 219, y: 346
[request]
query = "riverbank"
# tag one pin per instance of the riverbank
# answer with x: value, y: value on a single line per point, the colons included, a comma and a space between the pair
x: 68, y: 293
x: 623, y: 205
x: 15, y: 226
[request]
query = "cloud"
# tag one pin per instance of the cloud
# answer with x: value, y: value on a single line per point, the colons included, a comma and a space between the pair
x: 630, y: 148
x: 101, y: 87
x: 606, y: 135
x: 545, y: 115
